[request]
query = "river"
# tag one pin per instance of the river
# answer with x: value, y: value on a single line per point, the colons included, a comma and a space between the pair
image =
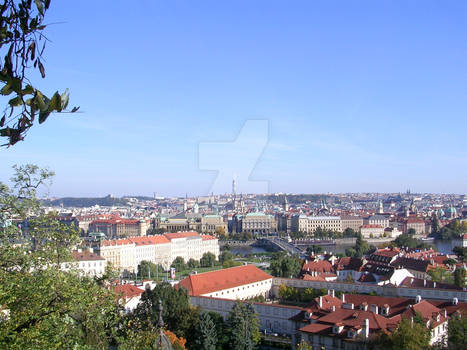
x: 442, y: 246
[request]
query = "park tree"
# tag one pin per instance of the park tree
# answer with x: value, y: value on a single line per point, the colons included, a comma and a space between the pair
x: 226, y: 255
x: 147, y: 269
x: 22, y: 44
x: 206, y: 335
x: 207, y: 260
x: 192, y: 263
x: 179, y: 264
x: 244, y: 327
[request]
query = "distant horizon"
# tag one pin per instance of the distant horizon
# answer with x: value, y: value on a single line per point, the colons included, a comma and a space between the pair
x: 309, y: 96
x: 261, y: 194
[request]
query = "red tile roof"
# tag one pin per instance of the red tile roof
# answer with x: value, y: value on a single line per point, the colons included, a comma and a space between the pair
x: 207, y: 237
x: 128, y: 290
x: 209, y: 282
x: 320, y: 266
x: 180, y: 235
x: 85, y: 256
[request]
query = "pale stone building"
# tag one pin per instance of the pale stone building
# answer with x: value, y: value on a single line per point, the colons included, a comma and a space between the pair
x: 258, y: 223
x: 309, y: 224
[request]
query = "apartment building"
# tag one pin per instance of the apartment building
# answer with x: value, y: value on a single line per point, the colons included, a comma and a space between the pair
x: 258, y: 223
x: 119, y: 228
x: 212, y: 223
x: 126, y: 254
x: 309, y: 224
x: 350, y: 221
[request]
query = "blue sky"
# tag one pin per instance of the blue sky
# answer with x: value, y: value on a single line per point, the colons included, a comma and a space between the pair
x: 358, y: 95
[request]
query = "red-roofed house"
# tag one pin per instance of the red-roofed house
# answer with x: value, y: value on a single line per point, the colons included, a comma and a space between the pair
x: 129, y: 295
x: 240, y: 282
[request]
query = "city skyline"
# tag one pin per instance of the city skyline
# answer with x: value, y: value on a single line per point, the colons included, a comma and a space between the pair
x: 366, y: 97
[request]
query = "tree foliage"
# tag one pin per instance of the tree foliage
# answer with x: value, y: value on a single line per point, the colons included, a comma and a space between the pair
x: 409, y: 335
x: 244, y: 327
x: 283, y: 265
x: 22, y: 43
x: 457, y: 332
x: 206, y: 335
x: 179, y: 316
x: 207, y: 260
x: 47, y: 307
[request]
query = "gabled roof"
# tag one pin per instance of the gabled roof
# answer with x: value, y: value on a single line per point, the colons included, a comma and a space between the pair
x: 181, y: 235
x: 209, y: 282
x: 411, y: 264
x: 85, y: 256
x: 127, y: 291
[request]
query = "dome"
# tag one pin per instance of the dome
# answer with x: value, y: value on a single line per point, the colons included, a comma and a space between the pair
x: 163, y: 342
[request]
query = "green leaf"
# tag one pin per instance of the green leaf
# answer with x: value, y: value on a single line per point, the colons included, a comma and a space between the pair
x: 40, y: 6
x: 43, y: 116
x: 55, y: 103
x: 15, y: 101
x: 28, y: 89
x: 6, y: 89
x: 40, y: 101
x: 65, y: 99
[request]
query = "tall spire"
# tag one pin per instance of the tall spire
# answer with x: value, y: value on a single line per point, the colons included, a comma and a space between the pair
x: 234, y: 185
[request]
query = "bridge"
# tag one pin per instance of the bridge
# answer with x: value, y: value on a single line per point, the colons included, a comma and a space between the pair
x: 282, y: 244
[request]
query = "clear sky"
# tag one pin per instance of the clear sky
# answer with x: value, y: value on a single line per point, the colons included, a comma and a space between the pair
x: 357, y: 95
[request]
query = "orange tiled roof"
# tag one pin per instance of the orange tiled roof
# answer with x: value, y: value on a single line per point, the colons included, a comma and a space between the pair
x: 208, y: 282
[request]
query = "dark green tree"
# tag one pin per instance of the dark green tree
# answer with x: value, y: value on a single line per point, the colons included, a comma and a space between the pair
x: 349, y: 232
x: 283, y: 265
x: 411, y: 231
x: 22, y: 43
x: 179, y: 264
x: 179, y: 316
x: 192, y: 263
x: 147, y: 269
x: 226, y: 255
x: 207, y: 260
x: 457, y: 332
x: 459, y: 277
x: 316, y: 249
x: 222, y: 331
x: 243, y: 325
x: 206, y: 335
x: 408, y: 336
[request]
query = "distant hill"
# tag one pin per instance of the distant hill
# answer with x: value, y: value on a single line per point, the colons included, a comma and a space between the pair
x: 87, y: 202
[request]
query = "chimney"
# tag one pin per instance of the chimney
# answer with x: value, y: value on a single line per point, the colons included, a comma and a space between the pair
x: 366, y: 328
x: 424, y: 282
x: 418, y: 299
x: 434, y: 284
x: 320, y: 302
x: 455, y: 301
x: 445, y: 314
x: 374, y: 308
x: 334, y: 308
x: 343, y: 297
x: 332, y: 293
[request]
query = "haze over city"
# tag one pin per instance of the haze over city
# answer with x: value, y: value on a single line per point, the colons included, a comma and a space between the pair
x: 357, y: 99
